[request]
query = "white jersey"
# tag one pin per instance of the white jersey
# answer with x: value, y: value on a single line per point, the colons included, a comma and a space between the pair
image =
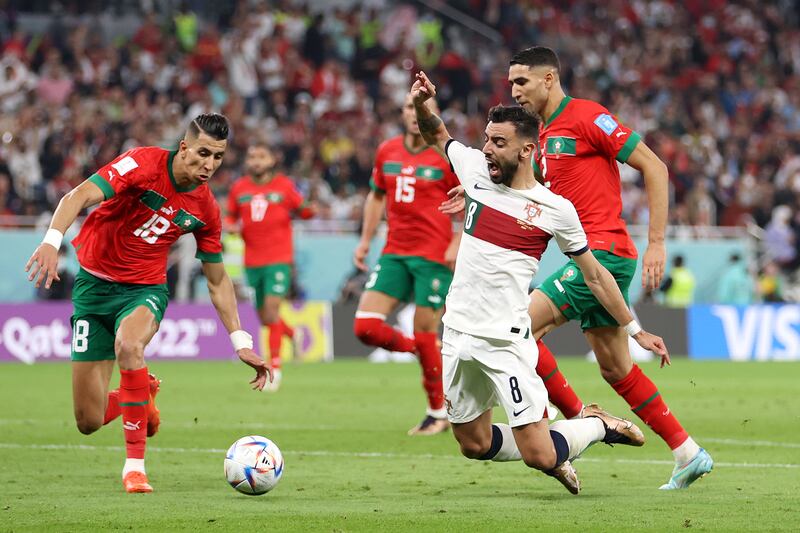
x: 506, y: 231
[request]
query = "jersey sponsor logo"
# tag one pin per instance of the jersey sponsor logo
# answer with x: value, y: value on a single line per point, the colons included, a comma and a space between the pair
x: 482, y: 188
x: 532, y: 210
x: 125, y: 165
x: 559, y: 146
x: 408, y: 170
x: 110, y: 175
x: 606, y: 123
x: 620, y: 134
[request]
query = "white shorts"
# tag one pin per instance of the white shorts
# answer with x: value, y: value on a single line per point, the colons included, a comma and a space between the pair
x: 480, y: 373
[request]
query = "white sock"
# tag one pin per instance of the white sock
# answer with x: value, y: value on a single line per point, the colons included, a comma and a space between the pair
x: 686, y: 451
x: 580, y: 433
x: 580, y: 413
x: 133, y: 465
x: 508, y: 450
x: 437, y: 413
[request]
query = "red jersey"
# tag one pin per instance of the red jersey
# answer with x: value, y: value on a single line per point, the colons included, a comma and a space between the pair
x: 415, y: 183
x: 579, y: 149
x: 265, y: 210
x: 127, y: 238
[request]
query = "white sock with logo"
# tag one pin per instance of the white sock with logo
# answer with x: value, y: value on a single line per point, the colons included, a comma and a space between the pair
x: 133, y: 465
x: 580, y: 433
x: 686, y: 451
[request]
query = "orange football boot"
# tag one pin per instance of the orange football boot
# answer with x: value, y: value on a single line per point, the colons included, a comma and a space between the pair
x: 153, y: 414
x: 136, y: 482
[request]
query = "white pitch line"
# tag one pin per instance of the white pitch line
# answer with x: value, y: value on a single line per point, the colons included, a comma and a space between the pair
x: 757, y: 443
x: 384, y: 455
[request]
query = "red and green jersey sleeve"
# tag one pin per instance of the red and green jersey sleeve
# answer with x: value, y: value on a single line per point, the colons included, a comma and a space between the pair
x: 415, y: 184
x: 265, y: 211
x: 209, y: 235
x: 133, y: 169
x: 580, y: 145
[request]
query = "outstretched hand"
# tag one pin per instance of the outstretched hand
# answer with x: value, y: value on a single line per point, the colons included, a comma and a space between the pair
x: 422, y: 89
x: 655, y: 344
x: 455, y: 201
x: 45, y: 258
x: 251, y: 359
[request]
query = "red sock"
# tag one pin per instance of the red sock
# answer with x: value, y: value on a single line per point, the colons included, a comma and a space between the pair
x: 645, y: 400
x: 559, y: 391
x: 275, y: 337
x: 430, y: 357
x: 134, y: 395
x: 376, y: 332
x: 287, y: 329
x: 112, y: 408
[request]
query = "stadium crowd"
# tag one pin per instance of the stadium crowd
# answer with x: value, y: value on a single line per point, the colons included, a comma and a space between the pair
x: 713, y: 86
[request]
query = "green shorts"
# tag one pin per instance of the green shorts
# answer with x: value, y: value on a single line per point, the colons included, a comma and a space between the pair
x: 98, y: 308
x: 568, y: 291
x: 269, y: 280
x: 399, y: 276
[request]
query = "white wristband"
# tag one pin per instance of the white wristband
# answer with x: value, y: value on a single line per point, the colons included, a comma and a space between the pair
x: 633, y: 328
x: 241, y: 339
x: 53, y: 237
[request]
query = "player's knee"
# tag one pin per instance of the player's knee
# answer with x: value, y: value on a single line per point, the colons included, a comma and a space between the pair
x: 471, y: 447
x: 87, y: 424
x: 539, y: 459
x: 130, y: 353
x: 613, y: 372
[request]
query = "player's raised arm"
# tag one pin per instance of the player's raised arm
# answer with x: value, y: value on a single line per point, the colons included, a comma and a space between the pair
x: 431, y: 127
x: 44, y: 261
x: 656, y: 181
x: 223, y: 296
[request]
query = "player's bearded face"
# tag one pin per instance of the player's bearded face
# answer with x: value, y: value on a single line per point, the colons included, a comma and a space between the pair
x: 259, y: 160
x: 502, y: 152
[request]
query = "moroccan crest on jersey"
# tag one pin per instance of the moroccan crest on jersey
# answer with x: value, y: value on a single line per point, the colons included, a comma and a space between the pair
x: 569, y: 274
x: 559, y: 146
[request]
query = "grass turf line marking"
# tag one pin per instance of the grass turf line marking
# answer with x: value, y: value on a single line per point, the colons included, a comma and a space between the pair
x: 293, y: 427
x: 381, y: 455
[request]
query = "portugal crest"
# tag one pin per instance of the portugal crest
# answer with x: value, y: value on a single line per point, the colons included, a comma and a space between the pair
x: 532, y: 210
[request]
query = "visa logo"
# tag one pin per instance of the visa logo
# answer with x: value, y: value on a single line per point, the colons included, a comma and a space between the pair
x: 759, y: 332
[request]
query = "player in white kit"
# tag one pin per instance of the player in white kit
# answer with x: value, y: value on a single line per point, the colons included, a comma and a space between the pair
x: 488, y: 353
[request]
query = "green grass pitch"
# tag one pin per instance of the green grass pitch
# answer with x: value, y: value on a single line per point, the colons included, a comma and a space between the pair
x: 351, y: 467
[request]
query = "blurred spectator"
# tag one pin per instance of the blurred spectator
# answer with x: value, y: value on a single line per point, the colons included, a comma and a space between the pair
x: 770, y: 284
x: 678, y: 286
x: 779, y: 239
x: 736, y: 285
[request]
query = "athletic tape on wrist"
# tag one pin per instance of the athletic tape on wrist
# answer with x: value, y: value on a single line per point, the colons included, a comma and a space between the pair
x: 53, y: 237
x: 241, y: 339
x: 633, y: 328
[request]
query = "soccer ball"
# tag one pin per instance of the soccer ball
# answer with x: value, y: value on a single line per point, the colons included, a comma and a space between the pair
x: 253, y: 465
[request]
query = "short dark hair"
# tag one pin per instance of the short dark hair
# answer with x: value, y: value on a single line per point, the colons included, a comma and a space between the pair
x: 525, y: 124
x: 212, y: 124
x: 536, y: 56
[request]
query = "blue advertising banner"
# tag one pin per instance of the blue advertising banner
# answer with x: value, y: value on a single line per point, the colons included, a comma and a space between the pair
x: 744, y: 333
